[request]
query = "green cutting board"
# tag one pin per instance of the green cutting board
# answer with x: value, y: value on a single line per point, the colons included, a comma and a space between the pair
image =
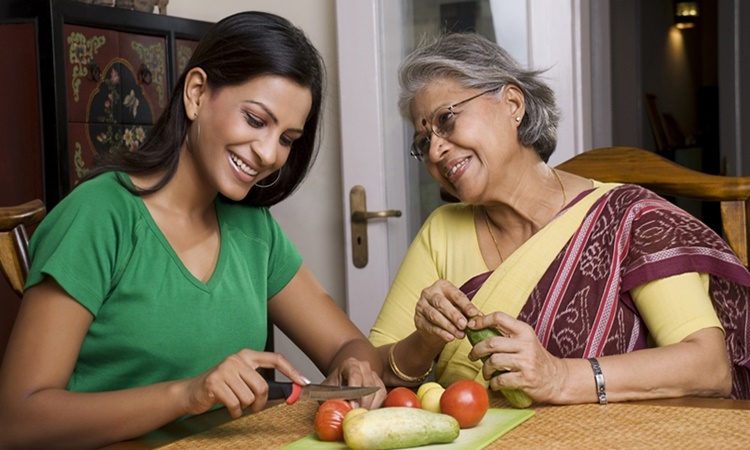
x: 494, y: 424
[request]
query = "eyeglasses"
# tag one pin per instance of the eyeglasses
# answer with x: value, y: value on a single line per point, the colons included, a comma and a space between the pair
x: 446, y: 121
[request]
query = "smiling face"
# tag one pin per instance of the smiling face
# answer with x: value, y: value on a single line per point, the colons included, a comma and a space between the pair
x: 483, y: 141
x: 242, y: 134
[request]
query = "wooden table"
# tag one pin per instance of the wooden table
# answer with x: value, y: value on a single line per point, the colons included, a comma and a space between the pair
x: 684, y: 423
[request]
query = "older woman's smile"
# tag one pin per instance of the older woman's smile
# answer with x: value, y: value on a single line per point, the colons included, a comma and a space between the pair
x: 455, y: 168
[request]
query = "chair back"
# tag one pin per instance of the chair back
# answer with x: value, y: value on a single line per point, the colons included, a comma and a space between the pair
x: 654, y: 172
x: 14, y: 240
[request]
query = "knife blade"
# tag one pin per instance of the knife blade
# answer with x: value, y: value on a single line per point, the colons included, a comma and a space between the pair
x: 293, y: 392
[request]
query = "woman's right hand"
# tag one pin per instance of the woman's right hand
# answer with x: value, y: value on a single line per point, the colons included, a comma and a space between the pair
x: 236, y: 383
x: 442, y: 311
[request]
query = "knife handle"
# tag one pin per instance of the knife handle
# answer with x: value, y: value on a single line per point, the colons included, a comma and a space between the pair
x: 284, y: 389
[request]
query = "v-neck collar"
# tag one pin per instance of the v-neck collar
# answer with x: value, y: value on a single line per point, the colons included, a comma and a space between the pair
x: 218, y: 268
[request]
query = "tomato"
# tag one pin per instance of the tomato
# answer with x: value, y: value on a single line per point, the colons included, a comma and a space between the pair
x: 329, y: 419
x: 402, y: 396
x: 466, y: 401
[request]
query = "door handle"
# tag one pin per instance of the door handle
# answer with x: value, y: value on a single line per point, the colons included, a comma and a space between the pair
x: 359, y: 218
x: 364, y: 216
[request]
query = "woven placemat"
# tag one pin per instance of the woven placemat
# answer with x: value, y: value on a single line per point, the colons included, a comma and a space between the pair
x: 272, y: 428
x: 614, y: 426
x: 628, y: 426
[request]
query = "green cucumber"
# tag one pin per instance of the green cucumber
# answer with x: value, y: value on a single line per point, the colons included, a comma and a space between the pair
x: 399, y: 427
x: 515, y: 397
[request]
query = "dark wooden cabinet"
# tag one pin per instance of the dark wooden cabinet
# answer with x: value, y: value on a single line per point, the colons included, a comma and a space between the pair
x: 103, y: 75
x: 78, y: 79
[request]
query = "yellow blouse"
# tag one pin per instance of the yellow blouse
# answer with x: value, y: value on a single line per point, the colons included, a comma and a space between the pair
x: 447, y: 248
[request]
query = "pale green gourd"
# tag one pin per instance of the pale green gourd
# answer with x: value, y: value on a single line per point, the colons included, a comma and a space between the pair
x: 399, y: 427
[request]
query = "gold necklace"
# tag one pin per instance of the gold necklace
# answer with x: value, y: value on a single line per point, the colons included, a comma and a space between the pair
x: 562, y: 186
x: 487, y: 216
x: 492, y: 235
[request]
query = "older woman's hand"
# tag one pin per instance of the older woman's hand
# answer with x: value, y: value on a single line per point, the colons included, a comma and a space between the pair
x: 520, y: 358
x: 442, y: 311
x: 354, y: 372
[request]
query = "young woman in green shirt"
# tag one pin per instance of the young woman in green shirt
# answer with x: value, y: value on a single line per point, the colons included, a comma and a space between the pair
x: 152, y: 282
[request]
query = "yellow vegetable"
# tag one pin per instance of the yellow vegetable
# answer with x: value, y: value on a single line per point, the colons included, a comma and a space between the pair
x: 515, y: 397
x: 426, y: 387
x: 431, y: 399
x: 398, y: 427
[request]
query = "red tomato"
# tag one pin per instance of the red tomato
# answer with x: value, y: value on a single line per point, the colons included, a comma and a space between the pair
x: 402, y: 396
x: 466, y: 401
x: 329, y: 419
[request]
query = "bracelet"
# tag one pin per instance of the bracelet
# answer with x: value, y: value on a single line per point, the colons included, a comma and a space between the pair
x: 599, y: 378
x: 403, y: 376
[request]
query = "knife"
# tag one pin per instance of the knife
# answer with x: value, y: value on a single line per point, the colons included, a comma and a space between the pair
x: 293, y: 391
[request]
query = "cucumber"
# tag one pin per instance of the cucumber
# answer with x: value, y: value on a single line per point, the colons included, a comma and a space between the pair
x: 515, y: 397
x: 399, y: 427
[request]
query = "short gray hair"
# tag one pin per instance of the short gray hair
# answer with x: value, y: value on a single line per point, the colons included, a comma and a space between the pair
x: 477, y: 63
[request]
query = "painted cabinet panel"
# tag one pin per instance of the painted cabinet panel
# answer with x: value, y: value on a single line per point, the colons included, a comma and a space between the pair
x: 104, y: 76
x: 118, y: 87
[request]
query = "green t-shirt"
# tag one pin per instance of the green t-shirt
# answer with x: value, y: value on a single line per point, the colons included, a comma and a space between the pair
x: 153, y: 320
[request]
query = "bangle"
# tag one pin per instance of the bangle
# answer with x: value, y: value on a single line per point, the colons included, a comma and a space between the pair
x: 599, y: 378
x: 403, y: 376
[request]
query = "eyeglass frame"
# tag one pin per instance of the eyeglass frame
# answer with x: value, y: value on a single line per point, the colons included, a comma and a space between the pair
x: 414, y: 150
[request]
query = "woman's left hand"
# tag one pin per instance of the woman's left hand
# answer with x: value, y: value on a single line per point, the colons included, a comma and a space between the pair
x: 353, y: 372
x: 525, y: 363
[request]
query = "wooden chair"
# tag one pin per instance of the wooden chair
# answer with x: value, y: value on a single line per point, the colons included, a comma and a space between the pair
x: 14, y: 240
x: 645, y: 168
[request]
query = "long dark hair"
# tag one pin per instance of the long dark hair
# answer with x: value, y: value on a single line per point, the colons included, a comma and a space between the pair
x: 236, y: 49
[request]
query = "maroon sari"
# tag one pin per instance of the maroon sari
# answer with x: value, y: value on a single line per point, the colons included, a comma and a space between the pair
x: 582, y: 306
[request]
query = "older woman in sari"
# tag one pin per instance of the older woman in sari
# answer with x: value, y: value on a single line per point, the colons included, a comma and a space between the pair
x: 602, y: 292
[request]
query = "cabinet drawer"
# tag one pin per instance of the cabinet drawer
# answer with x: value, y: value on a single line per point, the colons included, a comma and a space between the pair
x: 146, y: 58
x: 88, y: 55
x: 115, y: 77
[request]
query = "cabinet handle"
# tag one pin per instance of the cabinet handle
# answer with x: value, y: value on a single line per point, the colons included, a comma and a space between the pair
x: 144, y: 75
x: 95, y: 72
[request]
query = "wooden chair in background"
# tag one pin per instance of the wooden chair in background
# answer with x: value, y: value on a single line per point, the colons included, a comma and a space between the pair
x: 647, y: 169
x: 14, y: 240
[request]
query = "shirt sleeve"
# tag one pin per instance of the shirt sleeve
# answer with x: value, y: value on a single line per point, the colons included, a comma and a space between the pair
x: 417, y: 271
x: 675, y: 307
x: 445, y: 248
x: 77, y: 245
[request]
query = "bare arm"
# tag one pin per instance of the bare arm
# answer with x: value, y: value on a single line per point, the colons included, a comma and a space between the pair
x: 307, y: 314
x: 37, y: 411
x: 697, y: 365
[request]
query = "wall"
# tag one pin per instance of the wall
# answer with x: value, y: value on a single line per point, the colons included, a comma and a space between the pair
x: 670, y: 64
x: 649, y: 54
x: 313, y: 216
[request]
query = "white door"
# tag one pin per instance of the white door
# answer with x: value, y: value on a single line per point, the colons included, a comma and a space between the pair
x: 373, y: 37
